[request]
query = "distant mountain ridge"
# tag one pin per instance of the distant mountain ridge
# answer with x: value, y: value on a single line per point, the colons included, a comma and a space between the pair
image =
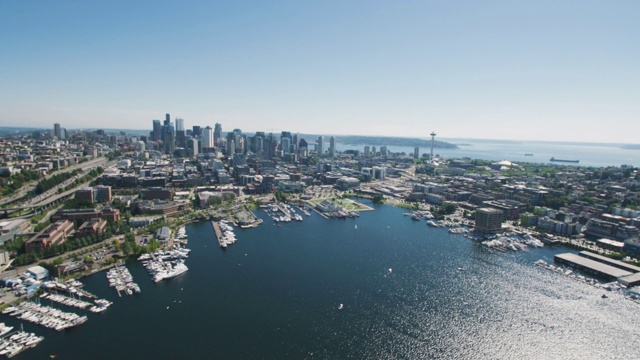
x: 392, y: 141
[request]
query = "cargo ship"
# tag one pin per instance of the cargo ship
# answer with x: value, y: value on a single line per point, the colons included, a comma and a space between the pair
x: 564, y: 160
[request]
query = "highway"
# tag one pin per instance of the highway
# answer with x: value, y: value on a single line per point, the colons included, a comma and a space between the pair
x: 52, y: 194
x: 24, y: 191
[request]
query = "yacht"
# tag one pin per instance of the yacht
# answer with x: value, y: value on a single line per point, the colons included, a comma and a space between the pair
x: 160, y: 275
x: 179, y: 269
x: 13, y: 350
x: 4, y: 329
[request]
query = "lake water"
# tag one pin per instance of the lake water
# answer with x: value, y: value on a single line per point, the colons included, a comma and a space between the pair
x: 589, y: 154
x: 275, y: 295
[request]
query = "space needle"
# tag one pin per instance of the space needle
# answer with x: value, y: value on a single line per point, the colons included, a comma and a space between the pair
x: 433, y: 140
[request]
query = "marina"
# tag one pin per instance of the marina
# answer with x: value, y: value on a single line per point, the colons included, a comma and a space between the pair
x: 18, y: 342
x: 281, y: 212
x: 414, y: 251
x: 120, y: 278
x: 65, y: 300
x: 45, y: 316
x: 163, y: 265
x: 224, y: 233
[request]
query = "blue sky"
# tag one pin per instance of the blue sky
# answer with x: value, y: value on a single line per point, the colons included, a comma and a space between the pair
x: 543, y: 70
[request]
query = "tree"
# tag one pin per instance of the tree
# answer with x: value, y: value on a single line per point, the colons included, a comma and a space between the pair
x: 378, y: 198
x: 449, y: 209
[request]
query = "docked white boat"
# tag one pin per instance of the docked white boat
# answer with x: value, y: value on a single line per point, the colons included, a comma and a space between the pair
x: 179, y: 269
x: 5, y: 329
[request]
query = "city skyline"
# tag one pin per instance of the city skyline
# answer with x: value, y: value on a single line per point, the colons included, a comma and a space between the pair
x: 497, y: 70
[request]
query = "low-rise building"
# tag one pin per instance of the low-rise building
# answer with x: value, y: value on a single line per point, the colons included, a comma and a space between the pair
x: 161, y: 207
x: 54, y: 234
x: 140, y: 221
x: 9, y: 229
x: 347, y: 183
x: 156, y: 193
x: 86, y: 214
x: 163, y: 234
x: 92, y: 227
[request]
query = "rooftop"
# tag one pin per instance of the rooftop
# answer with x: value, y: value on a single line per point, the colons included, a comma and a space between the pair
x: 593, y: 265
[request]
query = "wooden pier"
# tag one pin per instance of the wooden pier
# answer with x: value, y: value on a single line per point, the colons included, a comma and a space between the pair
x: 216, y: 229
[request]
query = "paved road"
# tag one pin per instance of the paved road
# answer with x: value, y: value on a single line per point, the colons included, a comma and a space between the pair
x: 29, y: 187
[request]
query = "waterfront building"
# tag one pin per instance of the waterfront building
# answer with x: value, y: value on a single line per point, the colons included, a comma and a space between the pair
x: 416, y: 152
x: 328, y: 206
x: 613, y: 245
x: 488, y: 220
x: 597, y: 268
x: 558, y: 227
x: 163, y: 234
x: 38, y: 272
x: 511, y: 209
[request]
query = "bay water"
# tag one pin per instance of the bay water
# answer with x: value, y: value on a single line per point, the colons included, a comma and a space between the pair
x: 275, y: 295
x: 589, y: 154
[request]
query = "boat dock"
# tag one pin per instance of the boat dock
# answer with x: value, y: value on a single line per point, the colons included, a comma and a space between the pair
x: 218, y: 231
x: 283, y: 210
x: 65, y: 300
x: 304, y: 211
